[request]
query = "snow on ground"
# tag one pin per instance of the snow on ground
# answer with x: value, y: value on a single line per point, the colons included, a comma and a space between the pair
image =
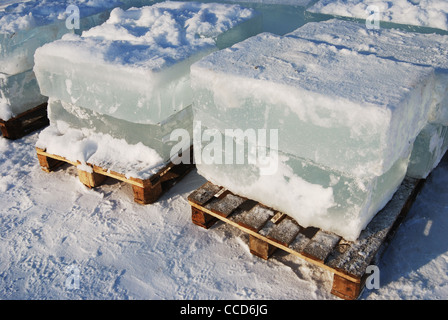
x: 51, y: 225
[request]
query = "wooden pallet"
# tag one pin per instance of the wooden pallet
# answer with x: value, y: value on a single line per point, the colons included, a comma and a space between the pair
x: 146, y: 191
x: 25, y: 123
x: 269, y: 230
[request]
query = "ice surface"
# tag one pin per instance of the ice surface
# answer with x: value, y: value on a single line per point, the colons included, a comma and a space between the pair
x: 18, y: 93
x: 311, y: 194
x: 416, y: 48
x: 348, y: 111
x: 62, y: 114
x: 429, y: 149
x: 27, y: 25
x: 135, y: 66
x: 423, y: 13
x: 279, y: 16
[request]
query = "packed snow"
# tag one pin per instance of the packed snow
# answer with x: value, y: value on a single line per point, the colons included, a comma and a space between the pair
x: 422, y: 13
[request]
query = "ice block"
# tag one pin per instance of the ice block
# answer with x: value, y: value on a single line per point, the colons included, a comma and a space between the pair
x: 279, y: 16
x: 135, y: 66
x: 428, y: 150
x: 311, y: 194
x: 351, y: 112
x: 18, y: 93
x: 422, y: 13
x: 416, y: 48
x: 27, y: 25
x: 63, y: 115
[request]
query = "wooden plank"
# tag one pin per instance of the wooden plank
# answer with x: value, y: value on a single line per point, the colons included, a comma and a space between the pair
x: 346, y: 289
x: 205, y: 193
x: 256, y: 217
x: 227, y: 204
x: 299, y: 243
x: 56, y: 157
x: 90, y: 179
x: 321, y: 245
x: 261, y: 248
x: 202, y: 219
x: 25, y: 122
x: 284, y: 232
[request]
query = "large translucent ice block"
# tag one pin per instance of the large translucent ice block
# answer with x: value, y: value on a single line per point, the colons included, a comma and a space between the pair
x: 421, y: 13
x: 27, y: 25
x: 348, y: 111
x: 311, y: 194
x: 135, y: 67
x: 63, y: 115
x: 429, y: 149
x: 416, y: 48
x: 18, y: 93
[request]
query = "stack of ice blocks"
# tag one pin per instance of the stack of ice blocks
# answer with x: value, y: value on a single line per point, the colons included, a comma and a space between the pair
x: 25, y: 26
x: 415, y: 48
x: 346, y: 122
x: 128, y: 80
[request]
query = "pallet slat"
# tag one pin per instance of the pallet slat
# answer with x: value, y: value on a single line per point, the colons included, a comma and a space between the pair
x: 255, y: 218
x: 204, y: 193
x: 321, y: 245
x: 284, y: 232
x: 227, y: 204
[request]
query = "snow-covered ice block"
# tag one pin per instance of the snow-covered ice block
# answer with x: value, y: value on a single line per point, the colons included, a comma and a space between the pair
x: 18, y: 93
x: 135, y: 66
x: 429, y: 149
x: 422, y: 13
x: 311, y: 194
x: 27, y: 25
x: 63, y: 115
x: 348, y: 111
x: 416, y: 48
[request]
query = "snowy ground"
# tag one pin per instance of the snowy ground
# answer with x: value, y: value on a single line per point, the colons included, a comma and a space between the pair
x: 51, y: 224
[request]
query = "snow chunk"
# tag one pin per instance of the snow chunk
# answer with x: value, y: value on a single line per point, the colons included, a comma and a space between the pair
x: 88, y: 147
x: 423, y: 13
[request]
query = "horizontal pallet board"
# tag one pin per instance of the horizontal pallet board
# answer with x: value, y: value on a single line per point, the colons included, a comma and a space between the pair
x: 146, y: 191
x: 269, y: 230
x: 25, y: 123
